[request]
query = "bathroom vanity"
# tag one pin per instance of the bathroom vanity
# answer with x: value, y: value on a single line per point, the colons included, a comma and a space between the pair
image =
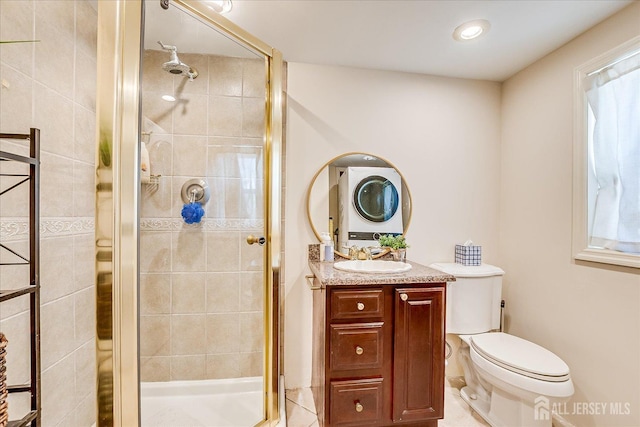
x: 378, y: 346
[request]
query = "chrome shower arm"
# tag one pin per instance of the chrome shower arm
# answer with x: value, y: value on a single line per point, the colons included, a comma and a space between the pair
x: 167, y: 47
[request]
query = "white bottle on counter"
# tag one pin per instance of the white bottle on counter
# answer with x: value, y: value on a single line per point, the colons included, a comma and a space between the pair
x: 326, y: 247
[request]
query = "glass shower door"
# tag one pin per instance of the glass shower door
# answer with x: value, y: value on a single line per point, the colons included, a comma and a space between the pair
x: 202, y: 286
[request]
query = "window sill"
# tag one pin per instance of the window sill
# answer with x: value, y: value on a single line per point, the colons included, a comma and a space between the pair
x: 606, y: 256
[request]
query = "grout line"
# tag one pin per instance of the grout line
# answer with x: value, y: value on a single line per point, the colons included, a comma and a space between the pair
x: 307, y: 410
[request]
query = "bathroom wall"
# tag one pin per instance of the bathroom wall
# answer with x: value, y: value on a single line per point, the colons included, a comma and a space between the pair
x: 201, y: 294
x: 588, y: 314
x: 443, y: 134
x: 51, y: 85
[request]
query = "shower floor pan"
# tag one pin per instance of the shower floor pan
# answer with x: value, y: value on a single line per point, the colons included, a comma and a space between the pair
x: 208, y: 403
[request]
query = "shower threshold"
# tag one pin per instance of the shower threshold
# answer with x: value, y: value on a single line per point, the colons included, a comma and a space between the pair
x: 234, y: 402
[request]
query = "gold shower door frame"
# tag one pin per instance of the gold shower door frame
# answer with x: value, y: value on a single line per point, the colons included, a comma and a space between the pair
x: 117, y: 194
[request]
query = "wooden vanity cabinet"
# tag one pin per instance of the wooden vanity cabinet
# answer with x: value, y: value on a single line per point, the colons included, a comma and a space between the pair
x: 378, y: 354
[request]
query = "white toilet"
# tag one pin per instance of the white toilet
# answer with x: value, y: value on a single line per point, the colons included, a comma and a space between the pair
x: 511, y: 382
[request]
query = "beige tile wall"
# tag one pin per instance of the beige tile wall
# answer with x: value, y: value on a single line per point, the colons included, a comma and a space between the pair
x: 201, y: 285
x: 51, y: 85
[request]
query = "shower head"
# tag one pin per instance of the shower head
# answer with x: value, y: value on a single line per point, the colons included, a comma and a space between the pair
x: 175, y: 66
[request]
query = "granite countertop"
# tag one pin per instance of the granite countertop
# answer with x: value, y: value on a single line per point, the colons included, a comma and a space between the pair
x: 329, y: 276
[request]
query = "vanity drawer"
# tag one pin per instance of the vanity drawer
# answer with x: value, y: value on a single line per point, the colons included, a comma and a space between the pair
x: 356, y: 346
x: 356, y: 402
x: 357, y: 303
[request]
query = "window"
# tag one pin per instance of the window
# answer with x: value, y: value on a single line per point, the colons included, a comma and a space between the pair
x: 607, y: 158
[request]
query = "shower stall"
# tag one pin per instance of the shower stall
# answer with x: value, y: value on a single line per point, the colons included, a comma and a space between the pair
x: 195, y: 242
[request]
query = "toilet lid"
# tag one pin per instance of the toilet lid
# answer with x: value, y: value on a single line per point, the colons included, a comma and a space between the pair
x: 520, y: 356
x: 459, y: 270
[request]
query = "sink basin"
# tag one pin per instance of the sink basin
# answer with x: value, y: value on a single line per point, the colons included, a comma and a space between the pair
x: 369, y: 266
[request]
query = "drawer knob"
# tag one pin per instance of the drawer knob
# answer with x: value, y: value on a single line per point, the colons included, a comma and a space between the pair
x: 359, y: 350
x: 359, y: 407
x: 360, y: 306
x: 404, y: 297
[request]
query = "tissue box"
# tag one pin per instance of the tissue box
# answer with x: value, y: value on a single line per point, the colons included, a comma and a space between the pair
x: 468, y: 255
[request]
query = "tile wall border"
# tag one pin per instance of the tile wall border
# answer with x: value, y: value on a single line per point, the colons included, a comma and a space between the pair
x: 12, y: 229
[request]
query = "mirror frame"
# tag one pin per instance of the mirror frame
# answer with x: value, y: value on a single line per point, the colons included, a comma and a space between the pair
x: 352, y: 153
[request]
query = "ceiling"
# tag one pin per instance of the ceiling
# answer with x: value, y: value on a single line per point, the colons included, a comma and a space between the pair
x: 405, y: 35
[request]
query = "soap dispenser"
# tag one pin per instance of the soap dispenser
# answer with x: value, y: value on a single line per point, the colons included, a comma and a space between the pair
x: 326, y: 247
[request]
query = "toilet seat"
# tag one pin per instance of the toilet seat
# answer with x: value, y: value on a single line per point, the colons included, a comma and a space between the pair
x: 520, y: 356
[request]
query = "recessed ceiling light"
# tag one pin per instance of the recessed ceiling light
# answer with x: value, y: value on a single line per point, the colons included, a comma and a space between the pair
x: 220, y: 6
x: 471, y: 30
x: 169, y: 98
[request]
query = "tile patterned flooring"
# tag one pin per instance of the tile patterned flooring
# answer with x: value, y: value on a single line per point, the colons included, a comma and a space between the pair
x: 301, y: 409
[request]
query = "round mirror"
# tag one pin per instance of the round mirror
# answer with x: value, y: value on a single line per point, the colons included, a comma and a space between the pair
x: 357, y: 197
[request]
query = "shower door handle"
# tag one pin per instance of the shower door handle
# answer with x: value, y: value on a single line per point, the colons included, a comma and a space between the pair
x: 251, y: 239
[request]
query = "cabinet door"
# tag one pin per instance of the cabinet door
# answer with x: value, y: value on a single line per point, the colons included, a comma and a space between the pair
x: 418, y: 380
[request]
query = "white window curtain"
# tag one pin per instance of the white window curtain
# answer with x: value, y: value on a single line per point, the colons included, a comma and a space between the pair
x: 613, y: 94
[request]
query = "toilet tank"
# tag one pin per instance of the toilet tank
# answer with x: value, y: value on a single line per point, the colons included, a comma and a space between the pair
x: 473, y: 300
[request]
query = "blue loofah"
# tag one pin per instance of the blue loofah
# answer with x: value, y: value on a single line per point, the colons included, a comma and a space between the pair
x: 192, y: 213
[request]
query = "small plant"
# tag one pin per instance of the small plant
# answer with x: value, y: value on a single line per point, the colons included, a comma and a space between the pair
x: 393, y: 242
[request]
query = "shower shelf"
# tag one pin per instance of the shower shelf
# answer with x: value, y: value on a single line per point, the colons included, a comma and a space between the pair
x: 33, y: 417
